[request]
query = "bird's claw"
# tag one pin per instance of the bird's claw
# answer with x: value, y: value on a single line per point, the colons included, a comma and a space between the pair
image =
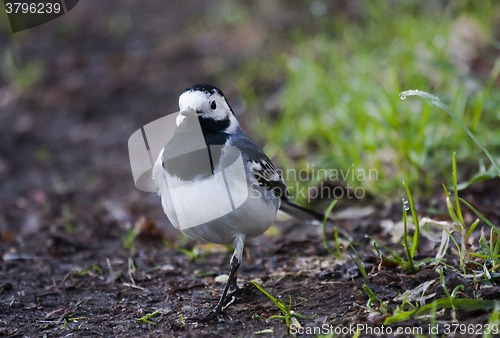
x: 225, y: 299
x: 216, y: 314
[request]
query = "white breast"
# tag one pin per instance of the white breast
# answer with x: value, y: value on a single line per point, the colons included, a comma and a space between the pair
x: 214, y: 209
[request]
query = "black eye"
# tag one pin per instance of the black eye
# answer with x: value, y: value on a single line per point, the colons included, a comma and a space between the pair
x: 213, y: 105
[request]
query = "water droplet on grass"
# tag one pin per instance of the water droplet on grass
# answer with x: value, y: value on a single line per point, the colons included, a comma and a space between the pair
x: 405, y: 203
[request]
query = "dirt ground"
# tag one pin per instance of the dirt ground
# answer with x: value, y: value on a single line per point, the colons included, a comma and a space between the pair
x: 67, y: 198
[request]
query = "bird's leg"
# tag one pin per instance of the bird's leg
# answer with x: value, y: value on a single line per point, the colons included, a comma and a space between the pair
x: 234, y: 285
x: 235, y: 264
x: 217, y: 311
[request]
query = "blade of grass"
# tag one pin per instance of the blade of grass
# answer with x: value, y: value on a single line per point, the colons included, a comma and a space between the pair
x: 146, y: 317
x: 462, y: 264
x: 427, y: 260
x: 325, y: 219
x: 492, y: 249
x: 472, y: 227
x: 274, y: 300
x: 457, y: 220
x: 496, y: 249
x: 411, y: 267
x: 191, y: 254
x: 484, y: 219
x: 455, y: 190
x: 483, y: 244
x: 482, y: 175
x: 435, y: 101
x: 398, y: 258
x: 463, y: 303
x: 358, y: 262
x: 400, y: 308
x: 484, y: 256
x: 286, y: 310
x: 494, y: 320
x: 455, y: 290
x: 382, y: 256
x: 372, y: 298
x: 415, y: 220
x: 445, y: 289
x: 336, y: 237
x: 433, y: 317
x: 451, y: 206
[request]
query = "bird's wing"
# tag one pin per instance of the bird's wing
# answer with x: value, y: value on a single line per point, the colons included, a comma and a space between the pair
x: 268, y: 177
x: 261, y: 166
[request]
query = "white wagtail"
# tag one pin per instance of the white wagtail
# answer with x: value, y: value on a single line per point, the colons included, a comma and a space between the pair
x: 216, y: 184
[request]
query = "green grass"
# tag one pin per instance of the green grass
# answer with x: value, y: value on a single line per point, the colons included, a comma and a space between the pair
x: 340, y: 108
x: 286, y: 310
x: 130, y: 236
x: 408, y: 265
x: 485, y: 263
x: 193, y: 253
x: 325, y: 240
x: 441, y: 303
x: 145, y: 319
x: 374, y: 300
x: 493, y: 322
x: 488, y: 261
x: 357, y: 261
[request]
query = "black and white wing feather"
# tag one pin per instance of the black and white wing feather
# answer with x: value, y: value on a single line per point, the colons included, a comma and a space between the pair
x: 260, y: 166
x: 268, y: 177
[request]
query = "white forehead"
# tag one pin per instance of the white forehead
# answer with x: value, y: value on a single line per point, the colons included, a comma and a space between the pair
x: 193, y: 99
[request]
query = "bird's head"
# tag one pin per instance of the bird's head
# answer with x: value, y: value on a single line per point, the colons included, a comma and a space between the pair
x: 210, y: 105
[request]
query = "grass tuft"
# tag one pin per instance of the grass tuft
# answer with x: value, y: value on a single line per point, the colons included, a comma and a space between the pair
x: 408, y: 265
x: 338, y: 109
x: 145, y: 319
x: 193, y: 254
x: 287, y: 311
x: 373, y: 299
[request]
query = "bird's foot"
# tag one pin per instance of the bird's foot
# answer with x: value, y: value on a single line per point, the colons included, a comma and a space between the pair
x: 216, y: 314
x: 225, y: 300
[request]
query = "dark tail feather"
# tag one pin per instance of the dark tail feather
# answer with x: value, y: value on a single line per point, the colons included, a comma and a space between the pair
x: 300, y: 212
